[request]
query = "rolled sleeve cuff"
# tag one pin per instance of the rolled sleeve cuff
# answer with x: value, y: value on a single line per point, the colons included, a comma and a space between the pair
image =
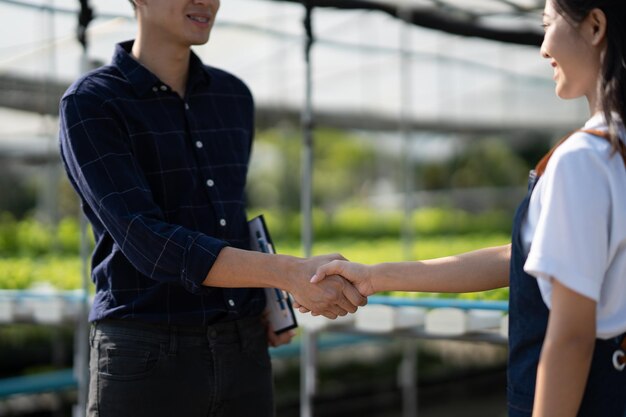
x: 200, y: 254
x: 543, y: 268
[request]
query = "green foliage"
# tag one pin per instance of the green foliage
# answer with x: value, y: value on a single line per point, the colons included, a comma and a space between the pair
x: 64, y: 272
x: 16, y: 273
x: 488, y: 162
x: 34, y: 236
x: 29, y: 256
x: 68, y: 235
x: 391, y: 249
x: 342, y: 164
x: 8, y: 234
x: 364, y: 223
x: 28, y: 237
x: 432, y: 221
x: 20, y: 273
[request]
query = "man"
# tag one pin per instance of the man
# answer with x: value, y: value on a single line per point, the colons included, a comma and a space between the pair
x: 157, y: 146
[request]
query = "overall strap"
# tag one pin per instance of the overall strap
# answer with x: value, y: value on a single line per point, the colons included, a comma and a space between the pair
x: 541, y: 166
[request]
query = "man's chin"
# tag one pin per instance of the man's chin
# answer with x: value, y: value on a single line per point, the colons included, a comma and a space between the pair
x: 197, y: 42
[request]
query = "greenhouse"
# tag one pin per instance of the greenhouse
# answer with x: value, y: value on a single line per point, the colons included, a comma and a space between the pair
x: 387, y: 130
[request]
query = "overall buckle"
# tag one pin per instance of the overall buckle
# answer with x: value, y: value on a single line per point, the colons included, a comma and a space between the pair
x: 619, y: 357
x: 619, y: 360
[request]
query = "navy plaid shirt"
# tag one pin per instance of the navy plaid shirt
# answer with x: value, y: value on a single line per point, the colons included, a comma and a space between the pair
x: 162, y: 182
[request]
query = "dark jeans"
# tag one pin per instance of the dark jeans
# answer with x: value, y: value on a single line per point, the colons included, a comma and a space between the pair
x: 151, y: 370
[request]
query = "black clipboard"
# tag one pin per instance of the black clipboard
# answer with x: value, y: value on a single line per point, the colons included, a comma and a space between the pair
x: 279, y: 308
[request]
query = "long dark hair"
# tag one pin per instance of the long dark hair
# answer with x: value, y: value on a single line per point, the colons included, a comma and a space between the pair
x: 613, y: 84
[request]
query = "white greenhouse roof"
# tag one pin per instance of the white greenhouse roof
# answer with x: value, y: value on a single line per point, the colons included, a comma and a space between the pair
x: 450, y: 81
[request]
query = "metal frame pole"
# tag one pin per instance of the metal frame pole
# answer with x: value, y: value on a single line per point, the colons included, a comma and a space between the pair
x: 407, y: 371
x: 308, y: 371
x: 407, y: 378
x: 306, y: 200
x: 405, y: 128
x: 308, y: 338
x: 81, y: 356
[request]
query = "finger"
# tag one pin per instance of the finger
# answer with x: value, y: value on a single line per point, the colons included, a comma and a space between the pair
x: 280, y: 339
x: 354, y: 296
x: 340, y: 309
x: 342, y: 295
x: 300, y: 307
x: 285, y: 338
x: 271, y: 336
x: 329, y: 315
x: 272, y: 339
x: 346, y: 306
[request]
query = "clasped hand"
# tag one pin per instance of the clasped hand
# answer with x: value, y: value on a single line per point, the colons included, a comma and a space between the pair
x: 333, y: 287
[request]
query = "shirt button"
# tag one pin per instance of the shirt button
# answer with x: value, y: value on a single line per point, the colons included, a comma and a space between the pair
x: 210, y: 183
x: 231, y: 303
x: 199, y: 144
x: 222, y: 222
x: 163, y: 88
x: 186, y: 106
x: 155, y: 89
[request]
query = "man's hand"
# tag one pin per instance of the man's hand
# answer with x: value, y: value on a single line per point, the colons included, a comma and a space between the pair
x: 275, y: 340
x: 331, y: 298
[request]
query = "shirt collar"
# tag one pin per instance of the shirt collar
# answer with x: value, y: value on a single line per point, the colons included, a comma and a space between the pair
x: 143, y: 81
x: 598, y: 120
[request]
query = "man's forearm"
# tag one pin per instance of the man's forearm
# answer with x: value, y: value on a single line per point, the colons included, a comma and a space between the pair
x: 238, y: 268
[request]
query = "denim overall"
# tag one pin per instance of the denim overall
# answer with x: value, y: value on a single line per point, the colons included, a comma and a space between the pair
x: 605, y: 392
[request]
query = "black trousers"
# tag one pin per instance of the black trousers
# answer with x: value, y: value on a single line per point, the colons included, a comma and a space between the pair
x: 152, y: 370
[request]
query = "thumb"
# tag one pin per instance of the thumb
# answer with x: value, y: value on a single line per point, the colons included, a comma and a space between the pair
x: 324, y: 271
x: 319, y: 276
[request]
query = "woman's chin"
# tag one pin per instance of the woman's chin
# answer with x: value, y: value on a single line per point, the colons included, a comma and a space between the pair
x: 565, y: 94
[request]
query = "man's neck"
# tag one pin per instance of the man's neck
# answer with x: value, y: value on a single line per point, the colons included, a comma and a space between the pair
x: 168, y: 61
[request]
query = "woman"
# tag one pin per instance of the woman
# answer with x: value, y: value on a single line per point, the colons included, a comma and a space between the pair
x: 567, y: 260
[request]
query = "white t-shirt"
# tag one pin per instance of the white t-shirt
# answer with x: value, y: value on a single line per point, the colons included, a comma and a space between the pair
x: 576, y: 222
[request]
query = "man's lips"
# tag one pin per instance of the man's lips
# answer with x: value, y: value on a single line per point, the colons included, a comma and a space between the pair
x: 199, y: 18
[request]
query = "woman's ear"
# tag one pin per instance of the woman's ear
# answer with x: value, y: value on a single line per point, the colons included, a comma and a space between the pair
x: 596, y: 23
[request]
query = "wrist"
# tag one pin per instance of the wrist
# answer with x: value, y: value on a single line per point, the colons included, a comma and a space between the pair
x: 285, y: 270
x: 374, y: 275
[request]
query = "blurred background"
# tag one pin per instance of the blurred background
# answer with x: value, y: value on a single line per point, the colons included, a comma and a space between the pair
x: 409, y: 135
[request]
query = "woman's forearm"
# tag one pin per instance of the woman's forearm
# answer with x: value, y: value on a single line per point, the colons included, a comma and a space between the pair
x: 479, y: 270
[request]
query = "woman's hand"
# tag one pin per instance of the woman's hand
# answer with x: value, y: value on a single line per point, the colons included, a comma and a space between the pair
x: 358, y: 274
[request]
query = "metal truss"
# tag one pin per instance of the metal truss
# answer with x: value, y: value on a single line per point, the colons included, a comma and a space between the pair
x: 508, y: 21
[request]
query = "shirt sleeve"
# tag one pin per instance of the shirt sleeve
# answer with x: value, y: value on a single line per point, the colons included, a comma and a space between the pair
x: 570, y: 243
x: 101, y: 165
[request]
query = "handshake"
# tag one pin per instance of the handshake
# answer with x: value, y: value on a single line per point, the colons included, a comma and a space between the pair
x: 330, y: 286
